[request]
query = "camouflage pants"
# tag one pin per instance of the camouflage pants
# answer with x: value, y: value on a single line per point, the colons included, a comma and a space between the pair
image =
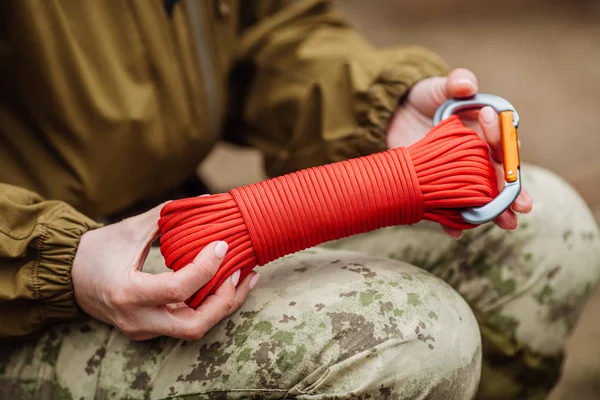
x: 374, y: 323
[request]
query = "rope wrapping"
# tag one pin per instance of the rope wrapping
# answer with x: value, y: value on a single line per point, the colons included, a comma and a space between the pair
x: 433, y: 179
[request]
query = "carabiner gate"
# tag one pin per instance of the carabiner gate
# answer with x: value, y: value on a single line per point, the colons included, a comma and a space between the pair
x: 509, y: 122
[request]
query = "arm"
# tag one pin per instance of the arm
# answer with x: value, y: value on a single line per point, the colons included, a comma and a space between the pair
x: 38, y: 240
x: 54, y: 262
x: 315, y: 90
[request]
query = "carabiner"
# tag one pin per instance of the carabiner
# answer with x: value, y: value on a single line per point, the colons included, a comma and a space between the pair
x: 509, y: 122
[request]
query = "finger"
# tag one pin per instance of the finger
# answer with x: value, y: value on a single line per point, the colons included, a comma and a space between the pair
x: 175, y: 287
x: 181, y: 321
x: 461, y: 83
x: 473, y: 124
x: 523, y: 204
x: 490, y: 125
x: 231, y: 300
x: 192, y: 324
x: 244, y: 288
x: 470, y: 115
x: 428, y: 95
x: 175, y: 306
x: 455, y: 233
x: 227, y: 289
x: 507, y: 220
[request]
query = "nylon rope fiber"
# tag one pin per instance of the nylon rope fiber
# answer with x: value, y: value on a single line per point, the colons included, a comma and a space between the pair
x: 433, y: 179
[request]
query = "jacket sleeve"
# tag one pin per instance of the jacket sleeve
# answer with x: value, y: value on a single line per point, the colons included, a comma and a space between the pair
x: 38, y: 240
x: 310, y: 90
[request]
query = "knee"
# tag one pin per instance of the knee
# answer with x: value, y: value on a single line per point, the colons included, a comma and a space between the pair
x: 560, y: 215
x: 441, y: 349
x: 402, y: 332
x: 558, y: 264
x: 560, y: 233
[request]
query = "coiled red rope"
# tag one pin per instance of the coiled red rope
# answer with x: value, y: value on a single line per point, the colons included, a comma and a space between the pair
x: 433, y: 179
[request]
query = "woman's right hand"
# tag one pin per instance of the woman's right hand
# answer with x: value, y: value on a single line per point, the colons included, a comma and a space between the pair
x: 414, y: 119
x: 110, y: 286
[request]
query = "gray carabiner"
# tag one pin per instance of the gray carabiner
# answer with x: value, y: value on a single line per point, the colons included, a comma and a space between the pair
x: 509, y: 122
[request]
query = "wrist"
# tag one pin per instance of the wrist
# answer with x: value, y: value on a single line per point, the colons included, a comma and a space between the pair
x: 62, y: 231
x: 82, y: 273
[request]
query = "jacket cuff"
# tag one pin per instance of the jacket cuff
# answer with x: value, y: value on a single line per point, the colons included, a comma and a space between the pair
x: 57, y: 244
x: 376, y: 106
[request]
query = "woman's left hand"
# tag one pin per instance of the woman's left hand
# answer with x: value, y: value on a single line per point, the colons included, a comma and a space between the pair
x: 414, y: 118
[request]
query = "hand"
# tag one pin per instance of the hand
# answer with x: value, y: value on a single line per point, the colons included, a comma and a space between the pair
x: 414, y: 118
x: 110, y: 286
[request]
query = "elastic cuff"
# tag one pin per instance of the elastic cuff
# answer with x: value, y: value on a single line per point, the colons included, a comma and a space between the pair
x: 376, y: 106
x: 52, y: 284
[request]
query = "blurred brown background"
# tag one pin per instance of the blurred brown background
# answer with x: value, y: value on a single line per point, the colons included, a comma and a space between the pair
x: 544, y: 56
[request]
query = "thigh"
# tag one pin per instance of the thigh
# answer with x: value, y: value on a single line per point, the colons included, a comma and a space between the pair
x: 321, y: 324
x: 526, y: 287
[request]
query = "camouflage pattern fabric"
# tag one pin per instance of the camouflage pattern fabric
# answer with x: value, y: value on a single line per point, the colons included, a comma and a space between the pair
x: 527, y: 288
x: 322, y: 324
x: 329, y: 323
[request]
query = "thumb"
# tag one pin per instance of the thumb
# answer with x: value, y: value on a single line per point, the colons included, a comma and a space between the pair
x: 175, y: 287
x: 427, y: 95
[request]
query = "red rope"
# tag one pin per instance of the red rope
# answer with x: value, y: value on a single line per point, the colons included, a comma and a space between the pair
x: 433, y: 179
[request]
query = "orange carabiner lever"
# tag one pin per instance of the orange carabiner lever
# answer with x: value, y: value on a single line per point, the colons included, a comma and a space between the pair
x: 510, y: 146
x: 509, y: 123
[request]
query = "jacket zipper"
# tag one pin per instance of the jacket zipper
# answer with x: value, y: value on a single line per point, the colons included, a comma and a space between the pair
x: 201, y: 44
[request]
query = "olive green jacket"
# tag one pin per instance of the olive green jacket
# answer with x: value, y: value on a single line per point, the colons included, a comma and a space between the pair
x: 105, y: 103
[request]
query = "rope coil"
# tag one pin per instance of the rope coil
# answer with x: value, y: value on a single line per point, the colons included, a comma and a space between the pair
x: 433, y: 179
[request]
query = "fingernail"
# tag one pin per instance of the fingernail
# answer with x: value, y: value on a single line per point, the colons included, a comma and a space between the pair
x: 465, y: 81
x: 523, y: 199
x: 254, y: 280
x: 488, y: 115
x: 235, y: 278
x: 221, y: 249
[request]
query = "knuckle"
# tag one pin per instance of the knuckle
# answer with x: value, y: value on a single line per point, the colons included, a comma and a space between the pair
x: 229, y: 303
x: 125, y: 326
x: 174, y: 291
x: 237, y: 304
x: 192, y: 332
x: 224, y: 308
x: 118, y: 297
x: 438, y: 93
